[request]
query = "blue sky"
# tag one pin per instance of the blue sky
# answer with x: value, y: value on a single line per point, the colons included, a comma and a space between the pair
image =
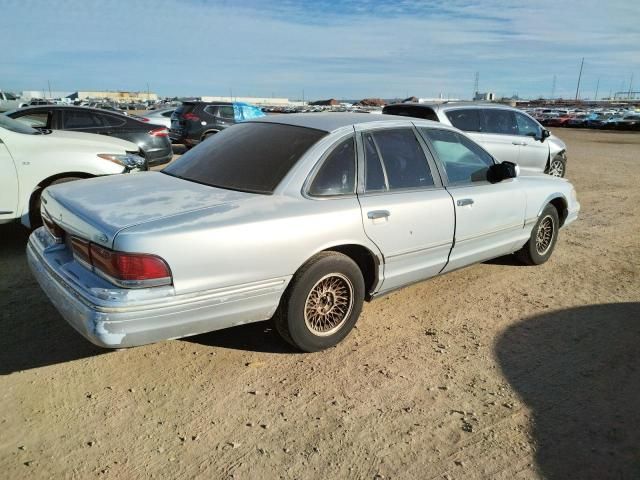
x: 329, y: 48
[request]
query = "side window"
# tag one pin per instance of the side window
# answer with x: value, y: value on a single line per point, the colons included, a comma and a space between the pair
x: 113, y: 120
x: 527, y: 126
x: 405, y: 165
x: 226, y: 112
x: 497, y: 120
x: 9, y: 96
x: 337, y: 175
x: 467, y: 119
x: 36, y: 119
x: 463, y: 160
x: 78, y: 119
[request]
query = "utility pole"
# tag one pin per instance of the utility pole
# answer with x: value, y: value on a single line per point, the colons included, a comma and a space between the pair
x: 553, y: 88
x: 597, y: 86
x: 475, y: 85
x: 630, y: 84
x: 579, y: 78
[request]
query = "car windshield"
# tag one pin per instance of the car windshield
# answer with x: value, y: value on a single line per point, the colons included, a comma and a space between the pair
x: 250, y: 157
x: 15, y: 126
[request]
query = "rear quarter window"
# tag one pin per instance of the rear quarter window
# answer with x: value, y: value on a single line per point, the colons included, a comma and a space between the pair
x: 465, y: 119
x: 425, y: 113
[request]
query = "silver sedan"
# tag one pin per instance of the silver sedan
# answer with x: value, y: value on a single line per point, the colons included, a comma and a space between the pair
x: 298, y: 217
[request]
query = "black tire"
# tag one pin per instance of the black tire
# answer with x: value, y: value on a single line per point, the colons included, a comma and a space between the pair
x: 318, y: 331
x: 539, y: 248
x: 557, y: 166
x: 35, y: 220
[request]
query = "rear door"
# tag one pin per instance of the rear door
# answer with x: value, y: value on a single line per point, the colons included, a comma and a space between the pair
x: 406, y: 211
x: 489, y: 217
x: 8, y: 182
x: 79, y: 120
x: 499, y: 134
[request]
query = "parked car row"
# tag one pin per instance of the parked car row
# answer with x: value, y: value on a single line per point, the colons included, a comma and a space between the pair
x: 151, y: 138
x: 299, y: 218
x: 622, y: 119
x: 33, y: 159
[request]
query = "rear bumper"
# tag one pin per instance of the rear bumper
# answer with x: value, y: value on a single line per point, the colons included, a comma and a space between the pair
x: 108, y: 317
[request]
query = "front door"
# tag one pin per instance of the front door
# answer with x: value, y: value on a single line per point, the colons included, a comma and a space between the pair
x: 8, y: 184
x: 406, y: 211
x: 534, y: 152
x: 489, y: 217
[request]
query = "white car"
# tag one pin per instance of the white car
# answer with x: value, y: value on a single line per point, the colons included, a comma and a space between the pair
x: 158, y: 117
x: 31, y: 160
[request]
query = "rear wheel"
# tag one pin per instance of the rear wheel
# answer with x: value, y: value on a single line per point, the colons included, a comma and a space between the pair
x: 35, y: 205
x: 542, y: 240
x: 322, y: 303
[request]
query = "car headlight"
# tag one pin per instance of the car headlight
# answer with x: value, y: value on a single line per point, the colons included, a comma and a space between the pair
x: 127, y: 160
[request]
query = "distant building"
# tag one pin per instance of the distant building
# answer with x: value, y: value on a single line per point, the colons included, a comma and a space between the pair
x: 332, y: 102
x: 271, y: 101
x: 118, y: 97
x: 30, y: 94
x: 484, y: 97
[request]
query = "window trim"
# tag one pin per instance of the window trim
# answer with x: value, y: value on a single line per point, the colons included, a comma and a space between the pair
x: 431, y: 163
x: 441, y: 166
x: 319, y: 164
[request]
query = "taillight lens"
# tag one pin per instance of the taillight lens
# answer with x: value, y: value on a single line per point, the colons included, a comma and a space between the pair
x: 191, y: 116
x: 159, y: 132
x: 56, y: 232
x: 130, y: 270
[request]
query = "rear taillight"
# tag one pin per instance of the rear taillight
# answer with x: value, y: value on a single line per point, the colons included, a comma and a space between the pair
x: 159, y: 132
x: 190, y: 116
x: 129, y: 270
x: 56, y: 232
x: 143, y: 119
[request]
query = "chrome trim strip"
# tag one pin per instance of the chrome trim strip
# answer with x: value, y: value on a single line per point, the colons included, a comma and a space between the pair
x: 421, y: 249
x: 492, y: 232
x: 247, y: 290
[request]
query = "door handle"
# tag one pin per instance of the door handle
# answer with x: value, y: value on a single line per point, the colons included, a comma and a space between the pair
x: 519, y: 143
x: 465, y: 201
x: 378, y: 214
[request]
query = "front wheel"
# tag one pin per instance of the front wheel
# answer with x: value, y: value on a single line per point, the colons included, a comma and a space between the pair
x: 322, y: 303
x: 542, y: 240
x: 557, y: 167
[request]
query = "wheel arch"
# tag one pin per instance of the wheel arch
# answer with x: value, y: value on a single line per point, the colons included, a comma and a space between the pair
x: 368, y: 262
x: 28, y: 207
x: 208, y: 132
x: 559, y: 201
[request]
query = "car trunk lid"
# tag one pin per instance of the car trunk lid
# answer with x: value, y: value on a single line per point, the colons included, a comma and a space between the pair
x: 97, y: 209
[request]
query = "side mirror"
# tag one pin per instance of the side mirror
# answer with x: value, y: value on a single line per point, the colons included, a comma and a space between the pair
x: 502, y: 171
x: 545, y: 134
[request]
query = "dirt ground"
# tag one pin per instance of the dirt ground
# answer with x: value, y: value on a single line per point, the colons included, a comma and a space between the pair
x: 495, y: 371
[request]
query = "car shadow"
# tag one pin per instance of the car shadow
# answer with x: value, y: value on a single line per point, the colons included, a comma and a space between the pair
x: 32, y: 333
x: 507, y: 260
x: 254, y: 337
x: 578, y: 370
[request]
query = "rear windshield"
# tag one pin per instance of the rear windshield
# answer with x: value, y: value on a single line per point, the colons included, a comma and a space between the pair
x: 250, y: 157
x: 411, y: 111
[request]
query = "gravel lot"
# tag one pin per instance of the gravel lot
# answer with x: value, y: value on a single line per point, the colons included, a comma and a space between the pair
x: 494, y: 371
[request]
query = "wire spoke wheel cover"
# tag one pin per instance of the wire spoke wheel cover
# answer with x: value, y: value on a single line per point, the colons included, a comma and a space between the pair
x: 556, y: 169
x: 544, y: 235
x: 328, y: 304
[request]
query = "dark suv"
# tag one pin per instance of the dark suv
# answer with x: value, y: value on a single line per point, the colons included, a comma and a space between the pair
x: 193, y: 122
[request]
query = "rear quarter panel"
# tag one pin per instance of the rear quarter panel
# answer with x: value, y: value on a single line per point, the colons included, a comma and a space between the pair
x: 237, y: 243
